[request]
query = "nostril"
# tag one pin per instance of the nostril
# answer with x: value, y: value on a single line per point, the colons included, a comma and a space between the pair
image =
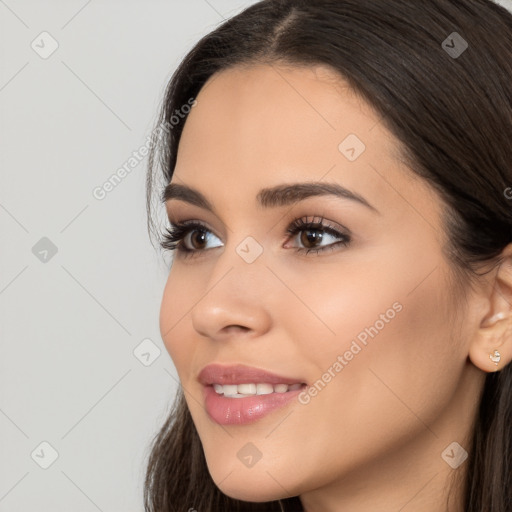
x: 236, y: 328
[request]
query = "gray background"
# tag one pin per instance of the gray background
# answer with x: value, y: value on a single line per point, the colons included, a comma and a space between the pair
x: 82, y: 364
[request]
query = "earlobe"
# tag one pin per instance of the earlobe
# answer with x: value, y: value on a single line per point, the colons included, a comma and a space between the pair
x: 488, y: 362
x: 491, y: 347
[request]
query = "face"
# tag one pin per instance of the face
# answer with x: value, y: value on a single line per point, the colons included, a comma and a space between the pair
x: 347, y: 297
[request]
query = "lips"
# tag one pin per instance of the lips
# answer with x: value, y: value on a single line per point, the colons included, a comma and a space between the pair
x: 224, y: 389
x: 241, y: 374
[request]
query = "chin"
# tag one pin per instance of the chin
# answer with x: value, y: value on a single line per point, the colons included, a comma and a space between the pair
x: 248, y: 484
x: 252, y: 491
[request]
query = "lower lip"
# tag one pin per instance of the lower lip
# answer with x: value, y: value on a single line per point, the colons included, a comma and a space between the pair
x: 241, y: 411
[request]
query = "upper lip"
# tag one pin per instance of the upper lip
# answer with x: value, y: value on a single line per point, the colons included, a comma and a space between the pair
x: 241, y: 374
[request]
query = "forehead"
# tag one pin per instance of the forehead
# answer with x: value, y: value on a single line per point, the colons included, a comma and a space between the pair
x: 277, y: 107
x: 263, y: 125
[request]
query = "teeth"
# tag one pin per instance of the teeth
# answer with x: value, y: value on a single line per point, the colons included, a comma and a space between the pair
x: 247, y: 389
x: 231, y: 389
x: 264, y: 389
x: 243, y: 390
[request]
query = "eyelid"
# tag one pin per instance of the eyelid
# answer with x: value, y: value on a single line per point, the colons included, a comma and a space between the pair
x: 191, y: 220
x: 307, y: 219
x: 322, y: 223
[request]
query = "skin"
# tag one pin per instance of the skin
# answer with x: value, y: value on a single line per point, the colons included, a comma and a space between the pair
x: 373, y: 437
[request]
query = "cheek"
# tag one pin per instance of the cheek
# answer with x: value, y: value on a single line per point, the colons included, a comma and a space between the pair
x: 389, y: 346
x: 176, y: 304
x: 393, y: 304
x: 376, y: 338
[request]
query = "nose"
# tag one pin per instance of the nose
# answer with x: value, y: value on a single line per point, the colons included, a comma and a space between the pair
x: 236, y: 301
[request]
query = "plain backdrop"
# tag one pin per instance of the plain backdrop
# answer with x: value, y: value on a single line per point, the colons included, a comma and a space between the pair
x: 85, y: 380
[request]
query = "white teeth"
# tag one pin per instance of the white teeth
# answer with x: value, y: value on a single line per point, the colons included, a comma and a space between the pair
x: 230, y: 389
x: 243, y: 390
x: 264, y: 389
x: 247, y: 389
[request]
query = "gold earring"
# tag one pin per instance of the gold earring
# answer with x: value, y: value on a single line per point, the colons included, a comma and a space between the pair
x: 495, y: 357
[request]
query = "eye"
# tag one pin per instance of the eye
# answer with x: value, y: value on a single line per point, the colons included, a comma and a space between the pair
x: 191, y: 238
x: 182, y: 235
x: 313, y: 232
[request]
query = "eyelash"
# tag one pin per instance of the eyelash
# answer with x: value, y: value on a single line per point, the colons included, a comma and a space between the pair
x: 172, y: 239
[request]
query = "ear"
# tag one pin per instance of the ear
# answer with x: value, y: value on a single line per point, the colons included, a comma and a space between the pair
x: 491, y: 347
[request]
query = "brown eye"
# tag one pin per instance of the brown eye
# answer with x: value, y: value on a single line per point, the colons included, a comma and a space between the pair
x: 198, y: 238
x: 188, y: 238
x: 310, y: 238
x: 309, y: 235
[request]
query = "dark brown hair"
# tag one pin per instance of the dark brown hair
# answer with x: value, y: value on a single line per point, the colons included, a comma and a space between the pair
x: 452, y: 115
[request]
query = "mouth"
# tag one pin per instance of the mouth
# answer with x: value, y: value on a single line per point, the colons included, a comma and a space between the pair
x: 245, y: 390
x: 239, y: 394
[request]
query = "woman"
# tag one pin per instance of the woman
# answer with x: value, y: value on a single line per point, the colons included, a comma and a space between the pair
x: 337, y: 179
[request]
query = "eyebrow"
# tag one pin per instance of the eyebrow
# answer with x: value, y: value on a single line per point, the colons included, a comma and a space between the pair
x: 281, y: 195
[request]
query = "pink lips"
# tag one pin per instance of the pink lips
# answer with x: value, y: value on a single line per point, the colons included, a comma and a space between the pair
x: 240, y: 411
x: 240, y: 374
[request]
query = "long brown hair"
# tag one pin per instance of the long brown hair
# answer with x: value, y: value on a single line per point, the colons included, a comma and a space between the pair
x: 450, y: 106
